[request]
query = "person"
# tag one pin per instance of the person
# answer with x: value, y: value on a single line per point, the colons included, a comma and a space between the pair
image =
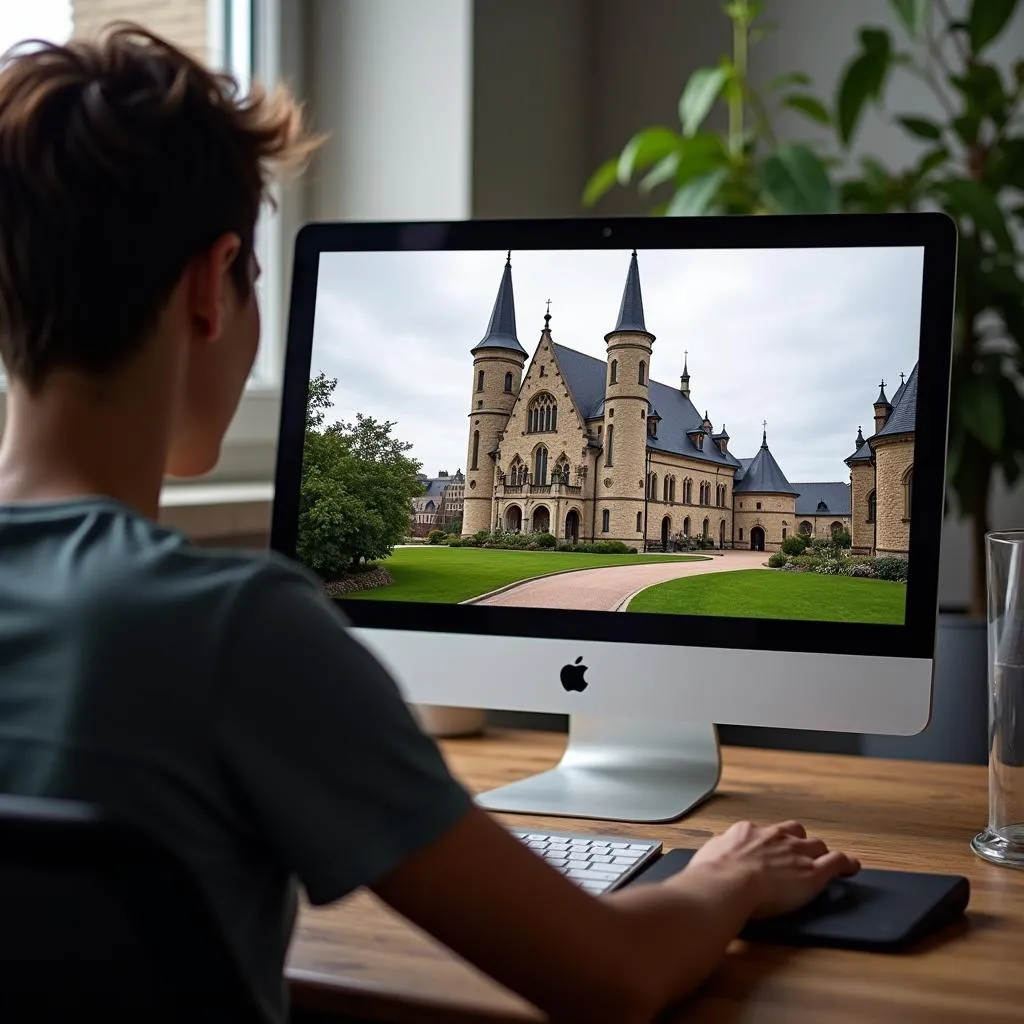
x: 215, y: 697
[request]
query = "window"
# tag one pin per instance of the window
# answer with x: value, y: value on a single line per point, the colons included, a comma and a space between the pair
x: 664, y: 489
x: 783, y: 533
x: 508, y: 383
x: 608, y: 442
x: 642, y: 373
x: 872, y: 506
x: 758, y: 506
x: 908, y: 492
x: 543, y: 371
x: 741, y: 533
x: 613, y: 372
x: 639, y: 522
x: 540, y: 466
x: 706, y: 528
x: 652, y: 486
x: 476, y: 449
x: 672, y: 489
x: 686, y: 527
x: 806, y: 529
x: 688, y: 491
x: 480, y: 380
x: 542, y: 416
x: 606, y: 518
x: 517, y: 472
x: 561, y: 473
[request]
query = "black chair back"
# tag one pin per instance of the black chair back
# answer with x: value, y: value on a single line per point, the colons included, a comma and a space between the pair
x: 97, y: 919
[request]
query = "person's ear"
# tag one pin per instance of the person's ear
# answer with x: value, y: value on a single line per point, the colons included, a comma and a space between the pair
x: 210, y: 285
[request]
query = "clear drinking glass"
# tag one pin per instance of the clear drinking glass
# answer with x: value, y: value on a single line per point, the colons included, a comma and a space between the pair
x: 1003, y: 841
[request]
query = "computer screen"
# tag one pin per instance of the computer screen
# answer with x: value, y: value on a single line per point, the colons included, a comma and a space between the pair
x: 674, y: 432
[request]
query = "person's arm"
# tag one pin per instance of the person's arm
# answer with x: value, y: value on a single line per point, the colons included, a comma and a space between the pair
x: 623, y: 958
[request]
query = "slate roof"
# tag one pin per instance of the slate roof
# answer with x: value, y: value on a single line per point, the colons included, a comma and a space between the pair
x: 585, y: 378
x: 764, y: 475
x: 836, y: 497
x: 631, y: 309
x: 433, y: 487
x: 903, y: 418
x: 501, y: 331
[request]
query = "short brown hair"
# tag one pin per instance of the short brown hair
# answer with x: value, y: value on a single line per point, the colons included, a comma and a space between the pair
x: 120, y: 161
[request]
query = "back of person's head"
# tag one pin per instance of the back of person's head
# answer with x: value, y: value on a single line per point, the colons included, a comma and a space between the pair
x: 121, y: 160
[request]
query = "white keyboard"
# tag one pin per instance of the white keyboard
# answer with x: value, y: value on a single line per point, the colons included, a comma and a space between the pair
x: 598, y: 864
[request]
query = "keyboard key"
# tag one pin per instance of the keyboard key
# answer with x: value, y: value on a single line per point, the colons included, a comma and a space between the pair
x: 599, y: 859
x: 577, y: 864
x: 626, y: 862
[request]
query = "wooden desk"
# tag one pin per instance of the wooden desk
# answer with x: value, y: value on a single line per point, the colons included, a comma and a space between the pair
x: 358, y: 957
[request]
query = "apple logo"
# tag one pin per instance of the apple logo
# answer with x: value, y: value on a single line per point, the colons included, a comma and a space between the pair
x: 572, y: 676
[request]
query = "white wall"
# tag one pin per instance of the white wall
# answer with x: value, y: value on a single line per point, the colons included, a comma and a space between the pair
x: 391, y: 81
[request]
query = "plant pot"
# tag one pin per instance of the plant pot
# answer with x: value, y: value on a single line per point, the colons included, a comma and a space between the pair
x: 958, y: 730
x: 447, y: 722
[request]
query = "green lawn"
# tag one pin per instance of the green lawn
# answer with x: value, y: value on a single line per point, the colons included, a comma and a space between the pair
x: 449, y: 575
x: 768, y: 594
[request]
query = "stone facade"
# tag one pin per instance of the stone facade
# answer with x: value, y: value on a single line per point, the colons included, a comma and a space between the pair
x: 894, y: 466
x: 538, y: 462
x: 862, y: 478
x: 822, y: 527
x: 183, y: 22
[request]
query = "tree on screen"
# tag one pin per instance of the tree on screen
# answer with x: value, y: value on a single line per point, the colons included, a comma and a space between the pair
x: 357, y: 484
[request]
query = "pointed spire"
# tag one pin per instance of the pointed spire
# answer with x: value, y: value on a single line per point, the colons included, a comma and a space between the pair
x: 501, y: 331
x: 860, y: 437
x: 631, y: 310
x: 686, y: 357
x: 881, y: 399
x: 547, y: 317
x: 684, y: 380
x: 764, y: 434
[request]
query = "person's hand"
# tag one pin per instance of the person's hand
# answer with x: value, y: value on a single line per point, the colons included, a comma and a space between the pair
x: 784, y: 868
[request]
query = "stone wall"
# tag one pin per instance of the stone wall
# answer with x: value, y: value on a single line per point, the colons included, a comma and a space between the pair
x: 489, y: 413
x: 183, y: 22
x: 892, y: 460
x: 821, y: 526
x: 862, y: 475
x: 777, y: 511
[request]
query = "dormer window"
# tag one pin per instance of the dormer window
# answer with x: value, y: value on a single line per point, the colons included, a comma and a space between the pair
x: 697, y: 439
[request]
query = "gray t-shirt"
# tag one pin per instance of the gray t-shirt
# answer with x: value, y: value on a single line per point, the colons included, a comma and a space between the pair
x: 216, y: 698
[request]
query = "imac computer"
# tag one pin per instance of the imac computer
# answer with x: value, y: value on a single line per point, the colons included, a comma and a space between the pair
x: 656, y: 474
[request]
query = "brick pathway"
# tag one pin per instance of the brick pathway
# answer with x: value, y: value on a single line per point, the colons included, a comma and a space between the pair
x: 607, y: 589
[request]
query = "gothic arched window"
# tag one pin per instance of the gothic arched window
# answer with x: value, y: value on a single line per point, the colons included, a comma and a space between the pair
x: 908, y: 492
x: 508, y: 383
x: 608, y: 441
x: 606, y: 518
x: 476, y: 449
x: 542, y: 415
x: 540, y: 466
x: 613, y: 372
x: 672, y: 488
x: 642, y: 373
x: 480, y: 380
x: 872, y: 506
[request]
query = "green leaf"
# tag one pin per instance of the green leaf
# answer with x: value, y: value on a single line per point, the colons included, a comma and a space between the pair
x: 932, y: 159
x: 700, y: 155
x: 862, y: 81
x: 797, y: 78
x: 967, y: 127
x: 968, y: 198
x: 700, y: 93
x: 987, y: 19
x: 912, y: 13
x: 664, y: 170
x: 876, y: 41
x: 601, y: 181
x: 981, y: 412
x: 695, y: 197
x: 810, y: 106
x: 796, y: 181
x: 921, y: 127
x: 644, y: 149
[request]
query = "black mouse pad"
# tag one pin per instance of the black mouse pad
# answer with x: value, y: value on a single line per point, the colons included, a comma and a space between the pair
x: 882, y: 911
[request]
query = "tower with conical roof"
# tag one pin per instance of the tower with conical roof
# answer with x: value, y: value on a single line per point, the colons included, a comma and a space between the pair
x: 622, y: 474
x: 498, y: 361
x: 764, y: 503
x: 882, y: 408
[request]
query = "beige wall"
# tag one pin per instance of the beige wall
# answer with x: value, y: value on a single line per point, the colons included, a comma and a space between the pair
x: 182, y: 21
x: 892, y: 460
x: 776, y: 511
x: 862, y: 476
x: 821, y: 526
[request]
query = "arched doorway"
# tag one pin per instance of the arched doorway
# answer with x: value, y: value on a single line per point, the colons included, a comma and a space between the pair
x: 541, y: 520
x: 572, y: 527
x: 756, y: 538
x: 514, y: 519
x: 705, y: 530
x: 721, y: 534
x: 806, y: 529
x: 836, y: 529
x: 666, y: 527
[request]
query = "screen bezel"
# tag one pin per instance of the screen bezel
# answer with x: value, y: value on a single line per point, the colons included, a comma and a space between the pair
x: 933, y: 232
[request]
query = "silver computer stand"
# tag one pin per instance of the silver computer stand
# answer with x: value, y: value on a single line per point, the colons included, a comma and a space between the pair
x: 621, y: 770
